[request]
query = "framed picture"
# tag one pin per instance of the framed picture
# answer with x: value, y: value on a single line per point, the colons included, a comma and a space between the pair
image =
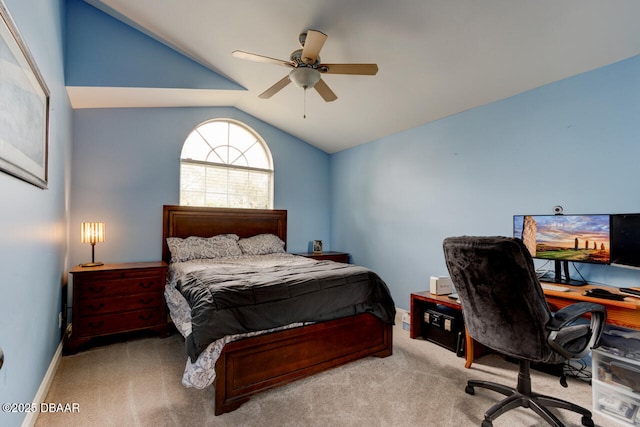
x: 317, y: 246
x: 24, y: 108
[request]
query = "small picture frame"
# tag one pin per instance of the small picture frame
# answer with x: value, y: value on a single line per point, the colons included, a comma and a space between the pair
x: 317, y: 247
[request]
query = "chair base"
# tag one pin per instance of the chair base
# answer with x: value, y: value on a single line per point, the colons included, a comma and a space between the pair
x: 522, y: 396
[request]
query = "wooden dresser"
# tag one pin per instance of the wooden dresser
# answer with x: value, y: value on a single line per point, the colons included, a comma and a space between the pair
x: 330, y: 255
x: 115, y: 298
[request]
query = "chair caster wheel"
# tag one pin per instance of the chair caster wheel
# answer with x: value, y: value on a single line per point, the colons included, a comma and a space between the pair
x: 487, y: 423
x: 469, y: 390
x: 587, y: 422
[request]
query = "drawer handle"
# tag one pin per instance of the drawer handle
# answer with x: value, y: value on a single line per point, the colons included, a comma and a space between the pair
x: 96, y: 325
x: 96, y: 290
x: 96, y: 308
x: 146, y: 285
x: 146, y: 301
x: 146, y: 317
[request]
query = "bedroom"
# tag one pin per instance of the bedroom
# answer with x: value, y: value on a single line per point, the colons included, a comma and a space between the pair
x: 400, y: 194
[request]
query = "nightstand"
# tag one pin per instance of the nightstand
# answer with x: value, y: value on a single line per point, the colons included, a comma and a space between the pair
x: 115, y: 298
x: 330, y: 255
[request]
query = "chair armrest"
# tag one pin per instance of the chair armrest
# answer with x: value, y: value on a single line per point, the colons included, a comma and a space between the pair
x: 571, y: 312
x: 568, y: 314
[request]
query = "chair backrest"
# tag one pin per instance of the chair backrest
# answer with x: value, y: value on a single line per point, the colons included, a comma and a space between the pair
x: 503, y: 304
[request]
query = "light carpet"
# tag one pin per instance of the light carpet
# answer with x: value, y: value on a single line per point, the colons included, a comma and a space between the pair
x: 138, y: 383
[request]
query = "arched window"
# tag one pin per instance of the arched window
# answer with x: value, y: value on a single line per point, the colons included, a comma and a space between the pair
x: 226, y: 164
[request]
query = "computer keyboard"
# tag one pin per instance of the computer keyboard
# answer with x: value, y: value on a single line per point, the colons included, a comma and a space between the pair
x: 557, y: 288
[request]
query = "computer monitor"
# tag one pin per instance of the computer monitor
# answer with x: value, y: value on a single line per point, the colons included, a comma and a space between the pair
x: 625, y: 240
x: 564, y: 238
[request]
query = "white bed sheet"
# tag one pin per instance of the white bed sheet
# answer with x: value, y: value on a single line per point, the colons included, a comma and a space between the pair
x: 201, y: 373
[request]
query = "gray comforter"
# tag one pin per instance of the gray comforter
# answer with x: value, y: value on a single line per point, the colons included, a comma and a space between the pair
x: 240, y: 299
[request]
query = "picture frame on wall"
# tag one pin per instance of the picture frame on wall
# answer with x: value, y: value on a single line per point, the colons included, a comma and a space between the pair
x: 24, y: 108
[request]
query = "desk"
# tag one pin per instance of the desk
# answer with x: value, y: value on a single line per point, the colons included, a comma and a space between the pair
x: 621, y: 313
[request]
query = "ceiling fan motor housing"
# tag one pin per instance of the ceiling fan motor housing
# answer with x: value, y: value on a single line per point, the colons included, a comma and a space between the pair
x: 297, y: 58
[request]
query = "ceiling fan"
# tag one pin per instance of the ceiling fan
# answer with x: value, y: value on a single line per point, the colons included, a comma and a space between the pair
x: 307, y: 68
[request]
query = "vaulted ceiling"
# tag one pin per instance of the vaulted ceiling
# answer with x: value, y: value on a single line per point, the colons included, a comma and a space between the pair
x: 436, y: 58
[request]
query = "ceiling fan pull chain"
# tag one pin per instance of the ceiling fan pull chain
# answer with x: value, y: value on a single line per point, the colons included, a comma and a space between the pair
x: 304, y: 104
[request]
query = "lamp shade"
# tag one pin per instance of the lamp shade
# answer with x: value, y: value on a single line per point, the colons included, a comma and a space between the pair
x: 92, y: 232
x: 304, y: 77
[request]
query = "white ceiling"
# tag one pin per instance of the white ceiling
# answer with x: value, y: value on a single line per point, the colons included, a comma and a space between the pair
x: 436, y: 57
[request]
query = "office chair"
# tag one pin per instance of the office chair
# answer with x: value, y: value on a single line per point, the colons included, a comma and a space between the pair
x: 505, y: 309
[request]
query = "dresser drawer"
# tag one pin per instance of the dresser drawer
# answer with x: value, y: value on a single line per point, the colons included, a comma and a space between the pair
x: 91, y: 287
x: 99, y: 325
x: 98, y: 306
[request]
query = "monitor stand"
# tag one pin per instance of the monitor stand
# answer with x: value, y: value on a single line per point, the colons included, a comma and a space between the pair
x: 557, y: 277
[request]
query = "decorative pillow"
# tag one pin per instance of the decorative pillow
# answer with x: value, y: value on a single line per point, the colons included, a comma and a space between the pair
x: 194, y: 247
x: 261, y: 244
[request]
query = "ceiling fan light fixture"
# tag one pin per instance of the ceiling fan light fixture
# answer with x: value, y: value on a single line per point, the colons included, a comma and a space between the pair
x: 304, y: 77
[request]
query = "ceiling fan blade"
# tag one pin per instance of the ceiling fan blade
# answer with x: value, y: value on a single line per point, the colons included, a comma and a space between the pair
x: 261, y: 58
x: 360, y: 69
x: 275, y: 88
x: 325, y: 92
x: 312, y: 45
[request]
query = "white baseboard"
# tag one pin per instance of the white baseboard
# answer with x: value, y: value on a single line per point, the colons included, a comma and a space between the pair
x: 32, y: 417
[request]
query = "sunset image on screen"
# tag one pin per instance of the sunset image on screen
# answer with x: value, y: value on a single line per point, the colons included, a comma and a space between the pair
x: 584, y: 238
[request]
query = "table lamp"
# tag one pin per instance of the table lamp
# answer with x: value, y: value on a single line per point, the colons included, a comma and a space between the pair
x: 92, y: 232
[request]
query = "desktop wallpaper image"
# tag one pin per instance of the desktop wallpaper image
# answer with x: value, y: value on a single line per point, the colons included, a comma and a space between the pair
x: 582, y: 238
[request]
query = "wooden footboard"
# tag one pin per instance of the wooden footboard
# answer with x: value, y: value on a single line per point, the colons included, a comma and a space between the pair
x: 259, y: 363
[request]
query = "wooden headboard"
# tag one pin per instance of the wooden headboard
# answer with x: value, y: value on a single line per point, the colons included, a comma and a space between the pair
x: 185, y: 221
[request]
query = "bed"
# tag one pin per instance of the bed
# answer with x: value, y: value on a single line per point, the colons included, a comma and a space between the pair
x: 244, y: 364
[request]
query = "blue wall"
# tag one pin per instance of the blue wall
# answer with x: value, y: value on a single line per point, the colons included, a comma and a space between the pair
x: 126, y: 161
x: 102, y: 51
x: 574, y: 143
x: 33, y: 225
x: 389, y: 203
x: 127, y: 165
